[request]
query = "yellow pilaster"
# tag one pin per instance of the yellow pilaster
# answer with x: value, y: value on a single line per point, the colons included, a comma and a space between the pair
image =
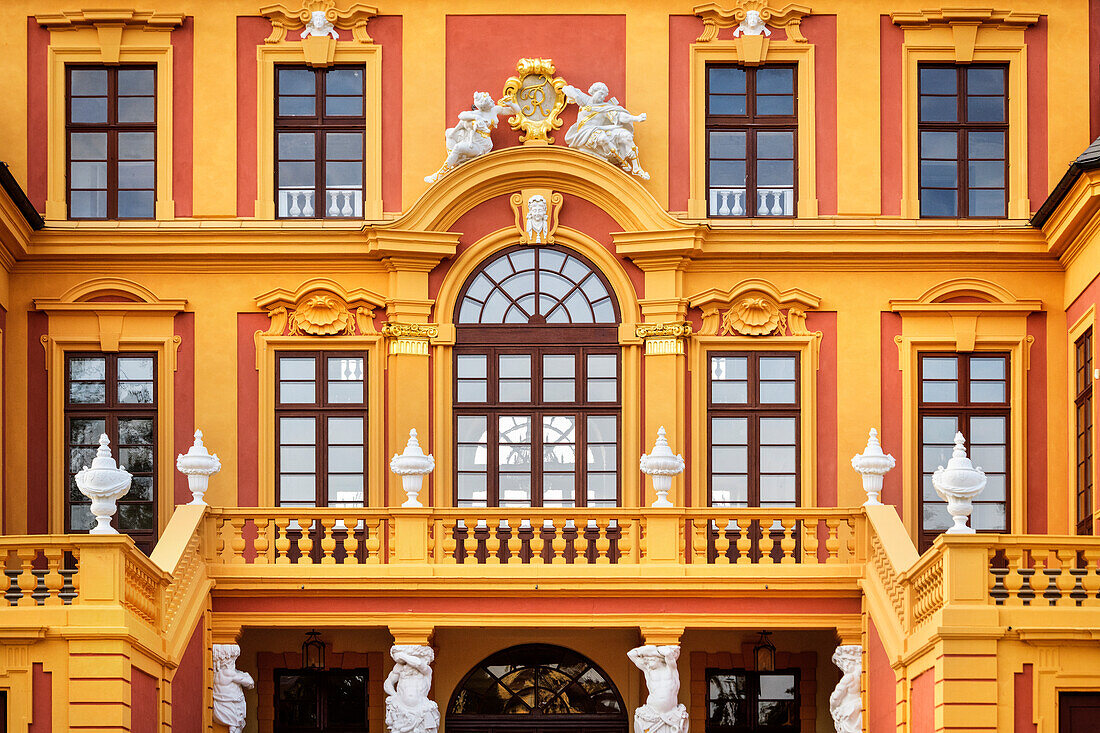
x: 647, y: 91
x: 215, y: 131
x: 857, y: 114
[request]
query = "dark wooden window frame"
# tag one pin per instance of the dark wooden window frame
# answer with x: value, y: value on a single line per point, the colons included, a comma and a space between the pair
x: 752, y: 123
x: 320, y: 410
x: 753, y: 410
x: 112, y: 127
x: 1083, y: 431
x: 962, y: 411
x: 318, y: 125
x: 753, y: 689
x: 323, y: 676
x: 962, y: 126
x: 111, y: 410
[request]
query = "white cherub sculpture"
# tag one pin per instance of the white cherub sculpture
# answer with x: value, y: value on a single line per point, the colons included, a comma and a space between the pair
x: 320, y: 25
x: 471, y: 136
x: 604, y: 129
x: 845, y: 703
x: 408, y: 709
x: 662, y: 713
x: 229, y: 704
x: 752, y: 25
x: 538, y: 221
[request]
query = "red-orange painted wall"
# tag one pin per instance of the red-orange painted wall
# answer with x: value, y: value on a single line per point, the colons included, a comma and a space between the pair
x: 922, y: 703
x: 386, y: 32
x: 38, y: 43
x: 890, y: 74
x: 1035, y: 38
x: 184, y: 397
x: 41, y: 700
x: 826, y: 407
x: 881, y: 685
x: 188, y: 687
x: 37, y: 425
x: 143, y: 702
x: 183, y: 100
x: 890, y: 431
x: 248, y: 408
x: 251, y: 32
x: 1022, y: 709
x: 1037, y: 426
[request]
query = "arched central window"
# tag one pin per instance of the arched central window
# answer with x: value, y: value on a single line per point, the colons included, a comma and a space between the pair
x: 537, y: 390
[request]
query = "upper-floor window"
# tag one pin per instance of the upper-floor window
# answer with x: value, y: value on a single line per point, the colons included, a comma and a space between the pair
x: 751, y: 129
x: 110, y: 130
x: 115, y: 395
x: 753, y: 411
x: 741, y: 701
x: 319, y: 131
x: 1083, y: 430
x: 537, y: 393
x: 968, y: 393
x: 963, y: 130
x: 320, y: 428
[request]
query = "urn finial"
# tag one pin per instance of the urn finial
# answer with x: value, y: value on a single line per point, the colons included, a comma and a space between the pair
x: 958, y: 484
x: 412, y: 466
x: 198, y: 465
x: 660, y: 464
x: 873, y: 465
x: 104, y: 483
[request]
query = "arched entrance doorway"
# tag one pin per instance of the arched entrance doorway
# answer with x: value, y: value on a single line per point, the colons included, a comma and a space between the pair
x: 536, y: 688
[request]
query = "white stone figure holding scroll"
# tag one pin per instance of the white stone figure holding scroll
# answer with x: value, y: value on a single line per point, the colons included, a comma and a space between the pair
x: 320, y: 25
x: 408, y: 709
x: 845, y: 703
x: 604, y: 129
x: 662, y: 712
x: 229, y: 684
x: 752, y: 25
x: 538, y: 219
x: 471, y: 136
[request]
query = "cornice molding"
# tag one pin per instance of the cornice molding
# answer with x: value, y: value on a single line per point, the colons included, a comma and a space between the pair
x: 964, y: 16
x: 70, y: 19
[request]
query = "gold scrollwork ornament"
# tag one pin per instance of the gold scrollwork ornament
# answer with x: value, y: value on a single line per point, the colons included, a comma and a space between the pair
x: 540, y: 97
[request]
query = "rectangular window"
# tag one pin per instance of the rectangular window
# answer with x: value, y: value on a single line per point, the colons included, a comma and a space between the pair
x: 1083, y: 430
x: 524, y: 415
x: 113, y: 395
x: 751, y: 128
x: 963, y: 129
x: 739, y: 701
x: 320, y: 428
x: 753, y: 413
x: 969, y: 393
x: 319, y: 129
x: 321, y: 700
x: 110, y: 133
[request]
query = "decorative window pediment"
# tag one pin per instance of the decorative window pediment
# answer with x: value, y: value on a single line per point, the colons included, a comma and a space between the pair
x: 737, y: 15
x: 320, y: 307
x: 754, y: 308
x: 319, y: 19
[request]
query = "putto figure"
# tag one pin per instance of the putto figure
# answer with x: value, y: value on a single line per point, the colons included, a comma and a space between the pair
x: 604, y: 129
x: 661, y: 712
x: 538, y: 220
x: 845, y: 703
x: 408, y: 709
x: 471, y: 136
x: 752, y: 25
x: 229, y: 685
x: 319, y: 25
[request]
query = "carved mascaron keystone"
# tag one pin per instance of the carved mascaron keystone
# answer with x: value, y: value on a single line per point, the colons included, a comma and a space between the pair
x: 318, y: 21
x: 751, y: 18
x: 536, y: 212
x: 540, y: 100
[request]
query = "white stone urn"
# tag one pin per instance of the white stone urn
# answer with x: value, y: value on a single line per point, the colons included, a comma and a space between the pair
x: 872, y: 464
x: 412, y: 466
x: 198, y: 465
x: 661, y: 465
x: 104, y: 483
x: 958, y: 484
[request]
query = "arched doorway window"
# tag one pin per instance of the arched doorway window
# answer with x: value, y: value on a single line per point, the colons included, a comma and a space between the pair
x: 536, y: 687
x: 537, y: 383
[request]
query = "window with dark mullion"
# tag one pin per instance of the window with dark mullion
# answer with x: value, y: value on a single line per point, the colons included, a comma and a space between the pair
x: 753, y: 412
x: 968, y: 393
x: 319, y: 128
x: 110, y: 130
x: 751, y: 126
x: 741, y: 701
x: 321, y: 425
x: 113, y: 395
x: 1083, y: 431
x: 963, y: 130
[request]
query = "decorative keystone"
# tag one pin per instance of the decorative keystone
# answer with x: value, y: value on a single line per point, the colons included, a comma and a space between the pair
x: 958, y: 484
x: 872, y: 464
x: 104, y: 483
x: 412, y: 466
x: 198, y: 465
x: 661, y: 465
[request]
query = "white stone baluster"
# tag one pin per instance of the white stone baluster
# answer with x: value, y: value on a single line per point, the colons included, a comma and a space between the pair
x: 307, y: 210
x: 738, y: 207
x: 724, y: 209
x: 295, y: 210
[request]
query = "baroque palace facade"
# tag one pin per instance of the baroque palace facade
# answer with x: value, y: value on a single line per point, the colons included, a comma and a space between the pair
x: 641, y: 303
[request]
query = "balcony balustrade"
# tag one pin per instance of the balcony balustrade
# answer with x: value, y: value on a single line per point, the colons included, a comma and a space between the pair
x: 299, y: 203
x: 735, y: 202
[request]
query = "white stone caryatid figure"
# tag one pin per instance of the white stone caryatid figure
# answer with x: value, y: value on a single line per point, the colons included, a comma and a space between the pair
x: 958, y: 484
x: 408, y: 709
x: 660, y: 464
x: 229, y: 684
x: 873, y: 465
x: 845, y: 703
x: 198, y: 465
x: 604, y: 129
x: 412, y: 466
x: 538, y: 219
x: 662, y: 712
x: 104, y: 483
x: 752, y: 25
x: 320, y: 25
x: 471, y: 137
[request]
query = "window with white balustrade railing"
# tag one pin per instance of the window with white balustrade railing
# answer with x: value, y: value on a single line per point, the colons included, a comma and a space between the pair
x: 752, y: 126
x: 319, y: 130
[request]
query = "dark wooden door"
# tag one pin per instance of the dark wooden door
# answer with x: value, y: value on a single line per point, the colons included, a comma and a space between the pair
x: 1079, y: 712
